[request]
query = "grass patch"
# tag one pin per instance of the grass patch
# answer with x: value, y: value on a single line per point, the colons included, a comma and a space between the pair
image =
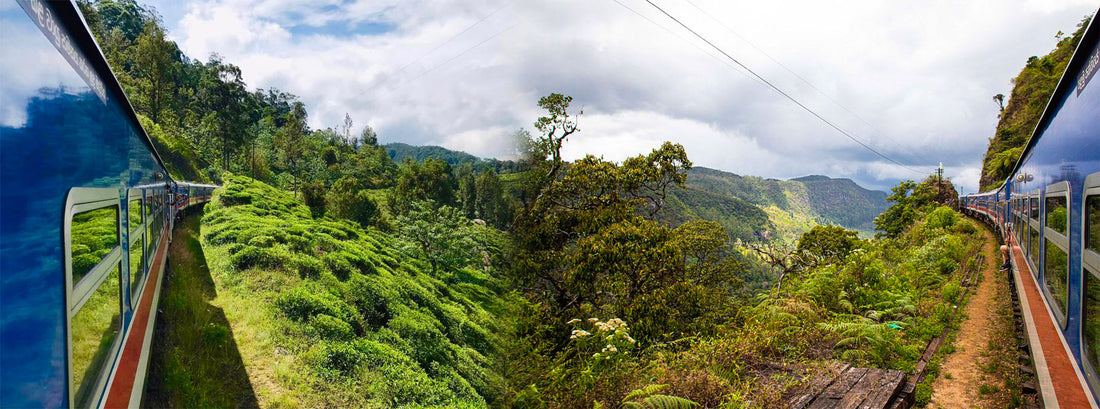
x: 195, y: 361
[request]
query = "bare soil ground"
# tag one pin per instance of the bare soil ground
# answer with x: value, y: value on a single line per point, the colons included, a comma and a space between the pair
x: 980, y: 373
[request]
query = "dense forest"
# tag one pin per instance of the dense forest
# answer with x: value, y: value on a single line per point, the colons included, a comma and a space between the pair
x: 357, y: 275
x: 1030, y: 94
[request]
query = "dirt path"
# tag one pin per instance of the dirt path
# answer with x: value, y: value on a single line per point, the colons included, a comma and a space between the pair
x: 973, y: 376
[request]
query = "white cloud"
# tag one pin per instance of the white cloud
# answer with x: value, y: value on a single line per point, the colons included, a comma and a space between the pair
x: 919, y: 76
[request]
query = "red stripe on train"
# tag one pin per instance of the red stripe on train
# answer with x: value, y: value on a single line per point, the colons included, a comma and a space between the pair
x: 1068, y: 390
x: 123, y: 385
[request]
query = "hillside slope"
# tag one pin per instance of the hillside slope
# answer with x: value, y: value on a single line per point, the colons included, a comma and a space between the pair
x: 813, y: 199
x: 328, y: 314
x: 843, y: 202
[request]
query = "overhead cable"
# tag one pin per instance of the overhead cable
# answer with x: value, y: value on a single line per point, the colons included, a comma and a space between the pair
x: 913, y: 154
x: 781, y: 92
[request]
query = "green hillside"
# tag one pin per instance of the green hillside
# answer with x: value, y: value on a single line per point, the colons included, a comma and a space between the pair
x: 843, y: 202
x: 742, y: 220
x: 399, y: 151
x: 1030, y: 94
x: 749, y: 207
x: 334, y: 315
x: 794, y: 205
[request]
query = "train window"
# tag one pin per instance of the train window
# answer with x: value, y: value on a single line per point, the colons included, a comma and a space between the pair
x: 1056, y: 269
x: 1033, y: 248
x: 93, y: 234
x: 1033, y: 211
x: 1055, y: 211
x: 94, y: 329
x: 1091, y: 263
x: 137, y: 270
x: 135, y: 213
x: 1092, y: 212
x: 1091, y: 327
x: 92, y: 238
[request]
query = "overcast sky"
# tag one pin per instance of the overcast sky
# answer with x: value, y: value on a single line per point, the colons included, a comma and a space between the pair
x: 913, y: 79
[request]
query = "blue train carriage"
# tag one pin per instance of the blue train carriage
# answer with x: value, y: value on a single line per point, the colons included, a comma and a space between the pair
x: 87, y: 211
x: 1049, y: 213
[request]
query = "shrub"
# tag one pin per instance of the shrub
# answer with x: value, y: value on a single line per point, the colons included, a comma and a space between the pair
x: 370, y: 298
x: 422, y: 332
x: 313, y: 195
x: 301, y: 304
x: 250, y: 257
x: 346, y: 200
x: 338, y: 264
x: 377, y: 354
x: 261, y: 241
x: 235, y: 198
x: 965, y: 227
x: 338, y: 357
x: 308, y: 266
x: 951, y: 292
x: 329, y: 327
x: 942, y: 217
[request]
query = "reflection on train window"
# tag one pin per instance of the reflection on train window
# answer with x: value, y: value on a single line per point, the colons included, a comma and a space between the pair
x: 135, y: 214
x: 1092, y: 209
x: 1056, y: 213
x: 1092, y: 319
x: 1057, y: 271
x: 137, y: 253
x: 149, y: 208
x: 1034, y: 208
x: 1033, y: 248
x: 94, y: 329
x: 94, y: 235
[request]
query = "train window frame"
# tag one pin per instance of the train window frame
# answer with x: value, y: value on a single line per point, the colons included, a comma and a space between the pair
x: 137, y: 238
x: 1090, y: 263
x: 1050, y: 236
x: 1090, y: 258
x: 80, y: 200
x: 1034, y: 225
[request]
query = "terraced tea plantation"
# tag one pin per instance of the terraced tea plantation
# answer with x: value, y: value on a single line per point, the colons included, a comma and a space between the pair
x: 328, y: 313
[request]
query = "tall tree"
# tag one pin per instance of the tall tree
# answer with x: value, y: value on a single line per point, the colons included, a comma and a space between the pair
x: 431, y: 181
x: 154, y: 64
x: 346, y: 130
x: 490, y: 201
x: 290, y: 141
x: 467, y: 191
x: 369, y: 137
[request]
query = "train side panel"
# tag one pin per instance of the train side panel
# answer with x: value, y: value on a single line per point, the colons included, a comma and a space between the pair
x: 84, y: 210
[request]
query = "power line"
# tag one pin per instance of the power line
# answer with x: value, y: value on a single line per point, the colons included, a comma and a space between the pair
x: 697, y: 47
x: 437, y: 66
x: 807, y: 82
x: 776, y: 89
x: 445, y: 42
x: 460, y: 33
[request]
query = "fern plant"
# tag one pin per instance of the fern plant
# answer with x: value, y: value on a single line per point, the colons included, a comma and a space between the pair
x: 649, y: 398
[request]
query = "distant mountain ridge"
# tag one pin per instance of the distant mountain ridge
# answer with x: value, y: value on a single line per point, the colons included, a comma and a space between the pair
x: 749, y: 207
x: 844, y: 202
x: 809, y: 199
